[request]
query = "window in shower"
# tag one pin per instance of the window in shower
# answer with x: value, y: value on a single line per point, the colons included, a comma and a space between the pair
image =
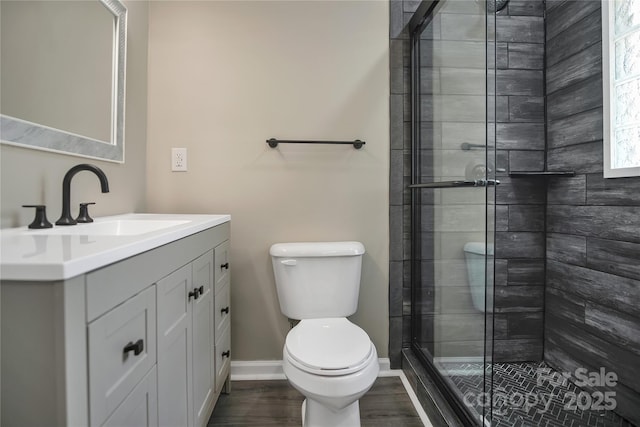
x: 621, y: 87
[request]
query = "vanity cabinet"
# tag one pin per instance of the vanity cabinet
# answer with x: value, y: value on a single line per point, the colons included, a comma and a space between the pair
x: 143, y: 341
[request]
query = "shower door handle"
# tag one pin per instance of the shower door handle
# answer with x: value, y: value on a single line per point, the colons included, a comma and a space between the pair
x: 457, y: 184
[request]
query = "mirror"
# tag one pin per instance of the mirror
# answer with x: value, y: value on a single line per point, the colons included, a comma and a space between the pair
x: 62, y: 76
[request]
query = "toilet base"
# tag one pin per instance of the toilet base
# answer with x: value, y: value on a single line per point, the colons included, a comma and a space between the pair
x: 314, y: 414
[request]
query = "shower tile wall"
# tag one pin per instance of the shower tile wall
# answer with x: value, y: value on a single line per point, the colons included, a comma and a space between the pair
x: 592, y: 318
x: 520, y: 143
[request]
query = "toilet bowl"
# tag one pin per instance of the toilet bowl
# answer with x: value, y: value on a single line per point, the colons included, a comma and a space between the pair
x: 333, y: 363
x: 328, y: 359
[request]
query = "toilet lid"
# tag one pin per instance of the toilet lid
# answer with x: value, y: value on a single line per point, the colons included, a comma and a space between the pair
x: 328, y: 344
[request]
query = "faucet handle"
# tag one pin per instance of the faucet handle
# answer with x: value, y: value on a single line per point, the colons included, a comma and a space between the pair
x: 83, y: 216
x: 40, y: 220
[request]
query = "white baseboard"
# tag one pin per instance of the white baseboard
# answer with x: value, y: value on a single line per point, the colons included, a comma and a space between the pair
x: 272, y: 370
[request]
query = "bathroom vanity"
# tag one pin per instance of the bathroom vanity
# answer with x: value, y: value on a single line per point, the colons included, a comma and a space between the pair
x: 122, y: 322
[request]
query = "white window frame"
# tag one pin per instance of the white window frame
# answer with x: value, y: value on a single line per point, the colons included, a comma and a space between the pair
x: 608, y: 84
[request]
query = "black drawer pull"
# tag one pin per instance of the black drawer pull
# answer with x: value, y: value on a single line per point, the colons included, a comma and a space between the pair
x: 226, y: 353
x: 136, y: 347
x: 194, y: 294
x: 225, y: 310
x: 225, y: 266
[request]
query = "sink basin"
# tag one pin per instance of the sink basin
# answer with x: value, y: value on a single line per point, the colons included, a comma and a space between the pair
x: 63, y: 252
x: 119, y: 227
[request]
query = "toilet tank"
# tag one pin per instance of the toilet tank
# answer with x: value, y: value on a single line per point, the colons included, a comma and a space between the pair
x: 318, y: 279
x: 476, y: 254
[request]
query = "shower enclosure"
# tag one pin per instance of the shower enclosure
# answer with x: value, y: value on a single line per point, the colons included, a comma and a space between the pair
x: 453, y: 192
x: 489, y: 306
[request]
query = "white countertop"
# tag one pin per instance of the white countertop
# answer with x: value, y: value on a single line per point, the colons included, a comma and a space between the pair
x: 63, y: 252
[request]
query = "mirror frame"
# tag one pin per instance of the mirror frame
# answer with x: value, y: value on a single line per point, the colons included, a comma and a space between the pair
x: 14, y: 131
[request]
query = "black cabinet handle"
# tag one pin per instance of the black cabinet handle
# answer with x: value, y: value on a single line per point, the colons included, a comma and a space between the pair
x: 225, y: 266
x: 225, y: 310
x: 137, y: 347
x: 226, y: 353
x: 194, y: 294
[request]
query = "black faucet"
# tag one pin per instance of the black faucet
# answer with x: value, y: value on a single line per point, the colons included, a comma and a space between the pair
x: 65, y: 218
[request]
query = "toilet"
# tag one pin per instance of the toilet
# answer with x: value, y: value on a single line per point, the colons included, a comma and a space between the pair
x: 328, y: 359
x: 475, y: 254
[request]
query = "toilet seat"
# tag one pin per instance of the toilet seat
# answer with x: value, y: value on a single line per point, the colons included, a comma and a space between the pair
x: 329, y: 347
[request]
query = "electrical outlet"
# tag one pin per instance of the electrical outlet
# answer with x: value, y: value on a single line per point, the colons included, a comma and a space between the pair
x: 179, y: 159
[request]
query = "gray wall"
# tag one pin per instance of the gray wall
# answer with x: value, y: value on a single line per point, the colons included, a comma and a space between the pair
x: 592, y: 316
x: 217, y: 99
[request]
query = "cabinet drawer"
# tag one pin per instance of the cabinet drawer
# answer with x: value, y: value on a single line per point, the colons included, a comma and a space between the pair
x: 223, y: 357
x: 114, y: 340
x: 222, y: 311
x: 222, y: 265
x: 139, y: 408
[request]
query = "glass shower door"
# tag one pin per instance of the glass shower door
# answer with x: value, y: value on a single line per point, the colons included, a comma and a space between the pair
x: 453, y: 187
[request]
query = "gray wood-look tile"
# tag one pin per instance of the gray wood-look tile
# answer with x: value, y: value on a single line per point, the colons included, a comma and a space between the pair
x: 580, y: 158
x: 526, y: 7
x: 502, y: 56
x: 502, y: 218
x: 568, y: 14
x: 525, y: 325
x: 519, y: 82
x: 586, y: 284
x: 574, y: 69
x: 519, y: 191
x: 595, y: 351
x: 563, y: 305
x: 582, y: 96
x: 526, y: 109
x: 619, y: 191
x: 526, y: 160
x: 520, y: 136
x: 618, y: 328
x: 615, y: 257
x: 518, y: 299
x: 567, y: 248
x: 605, y: 222
x: 519, y: 245
x: 575, y: 38
x: 575, y: 129
x: 526, y: 56
x: 520, y: 350
x: 567, y: 191
x: 276, y: 403
x: 522, y: 272
x: 522, y: 29
x: 592, y: 317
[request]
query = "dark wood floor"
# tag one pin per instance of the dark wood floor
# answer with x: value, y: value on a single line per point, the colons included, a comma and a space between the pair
x: 276, y: 403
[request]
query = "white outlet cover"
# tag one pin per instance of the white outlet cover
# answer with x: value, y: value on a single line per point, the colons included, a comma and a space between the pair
x: 179, y: 159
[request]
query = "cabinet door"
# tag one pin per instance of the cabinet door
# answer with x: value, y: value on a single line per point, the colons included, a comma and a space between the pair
x: 203, y: 358
x: 122, y: 349
x: 174, y: 348
x: 222, y: 264
x: 223, y: 357
x: 139, y: 409
x: 222, y: 312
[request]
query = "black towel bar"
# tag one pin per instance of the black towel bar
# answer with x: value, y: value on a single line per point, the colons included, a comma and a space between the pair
x: 273, y: 143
